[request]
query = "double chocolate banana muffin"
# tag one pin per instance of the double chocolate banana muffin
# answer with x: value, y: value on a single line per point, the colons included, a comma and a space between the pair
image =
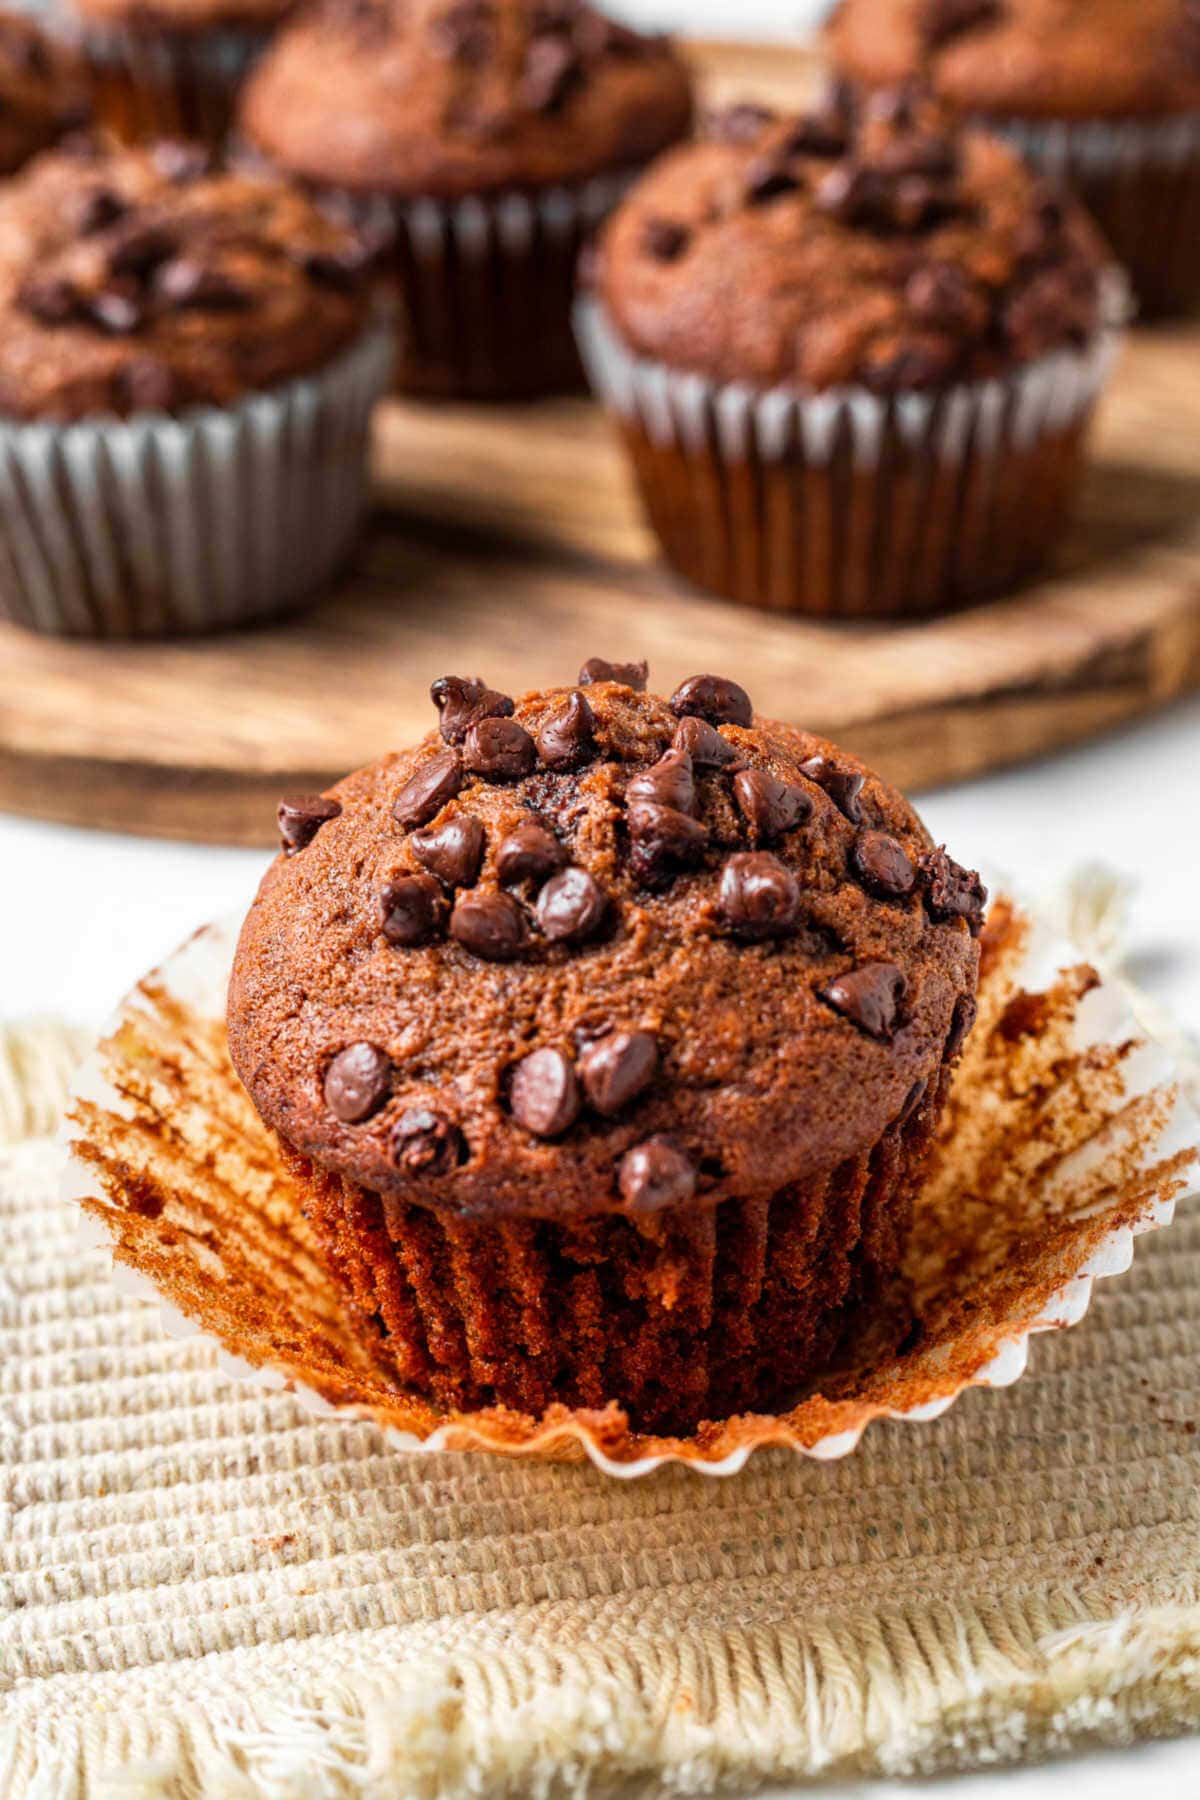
x: 607, y: 1035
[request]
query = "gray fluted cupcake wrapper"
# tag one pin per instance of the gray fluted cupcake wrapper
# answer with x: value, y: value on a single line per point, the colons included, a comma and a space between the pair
x: 157, y: 526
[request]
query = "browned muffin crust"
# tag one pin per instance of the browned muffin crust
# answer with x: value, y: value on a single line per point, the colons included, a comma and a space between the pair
x: 133, y: 280
x: 453, y: 97
x: 1068, y: 59
x: 872, y: 243
x: 595, y: 952
x: 42, y: 92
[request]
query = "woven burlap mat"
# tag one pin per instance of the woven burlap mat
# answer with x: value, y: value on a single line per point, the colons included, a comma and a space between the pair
x: 206, y: 1591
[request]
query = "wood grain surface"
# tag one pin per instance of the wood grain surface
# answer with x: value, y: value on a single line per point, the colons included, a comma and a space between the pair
x: 508, y: 542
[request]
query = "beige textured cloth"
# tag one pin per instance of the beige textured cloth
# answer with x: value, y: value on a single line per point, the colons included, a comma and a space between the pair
x: 205, y: 1591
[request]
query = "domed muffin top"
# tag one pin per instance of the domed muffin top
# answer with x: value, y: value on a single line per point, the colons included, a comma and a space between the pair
x: 42, y: 92
x: 595, y: 950
x: 1032, y: 58
x: 873, y: 243
x: 134, y: 280
x: 452, y: 97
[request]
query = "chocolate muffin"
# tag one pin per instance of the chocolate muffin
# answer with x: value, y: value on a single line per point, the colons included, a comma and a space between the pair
x: 172, y: 68
x: 488, y: 137
x: 187, y: 365
x: 42, y: 92
x: 607, y: 1034
x: 853, y: 354
x: 1104, y: 93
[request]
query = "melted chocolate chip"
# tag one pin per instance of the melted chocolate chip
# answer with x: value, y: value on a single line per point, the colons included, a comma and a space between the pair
x: 743, y: 123
x: 499, y: 750
x: 425, y: 1143
x: 665, y: 240
x: 140, y: 250
x: 617, y: 1068
x: 759, y: 897
x: 50, y: 299
x: 940, y: 20
x: 571, y: 907
x: 544, y: 1095
x: 664, y: 841
x: 98, y: 210
x: 882, y: 865
x: 452, y: 850
x: 186, y: 283
x: 631, y: 675
x: 842, y: 785
x: 553, y: 67
x: 822, y: 134
x: 869, y: 997
x: 769, y: 806
x: 530, y: 853
x: 768, y: 177
x: 668, y: 782
x: 961, y: 1020
x: 490, y: 926
x: 424, y: 794
x: 704, y: 744
x: 912, y: 1101
x: 713, y: 698
x: 342, y: 270
x: 301, y: 816
x: 952, y: 892
x: 462, y: 701
x: 116, y: 310
x: 567, y: 739
x: 465, y: 33
x: 655, y: 1175
x: 357, y: 1083
x: 411, y: 910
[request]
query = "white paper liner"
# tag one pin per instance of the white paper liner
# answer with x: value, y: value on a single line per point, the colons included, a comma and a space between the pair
x: 1067, y: 147
x: 1146, y: 1088
x: 157, y: 525
x: 171, y: 83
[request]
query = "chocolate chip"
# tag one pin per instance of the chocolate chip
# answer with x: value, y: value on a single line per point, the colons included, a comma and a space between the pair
x: 465, y: 33
x: 961, y: 1020
x: 822, y: 134
x: 357, y: 1083
x: 704, y: 744
x: 617, y: 1068
x: 116, y: 310
x: 530, y: 853
x: 301, y: 816
x: 424, y: 794
x: 668, y: 782
x: 768, y: 177
x: 918, y: 363
x: 99, y: 209
x: 50, y: 299
x: 655, y: 1175
x: 665, y: 240
x: 452, y: 850
x: 552, y: 68
x: 567, y: 739
x: 842, y: 785
x: 769, y: 806
x: 462, y: 701
x: 877, y: 199
x: 664, y: 841
x: 341, y: 270
x: 425, y: 1143
x: 952, y: 892
x: 571, y: 907
x: 185, y: 282
x: 490, y: 926
x: 499, y: 750
x: 411, y: 909
x: 912, y: 1101
x: 713, y: 698
x: 181, y: 162
x: 146, y: 385
x: 631, y: 675
x: 882, y: 865
x: 869, y: 997
x: 759, y: 897
x: 940, y: 20
x: 141, y: 250
x: 942, y: 295
x: 544, y: 1095
x: 743, y: 123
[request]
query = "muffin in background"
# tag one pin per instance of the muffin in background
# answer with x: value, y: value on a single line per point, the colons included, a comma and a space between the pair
x: 43, y: 95
x: 188, y: 363
x: 853, y: 355
x: 607, y: 1035
x: 1104, y: 94
x: 172, y: 68
x: 489, y: 138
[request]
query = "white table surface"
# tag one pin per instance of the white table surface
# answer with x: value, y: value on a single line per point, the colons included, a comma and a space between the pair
x: 82, y: 915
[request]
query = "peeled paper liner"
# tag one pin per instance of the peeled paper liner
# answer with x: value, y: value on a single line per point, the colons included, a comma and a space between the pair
x: 1067, y: 1136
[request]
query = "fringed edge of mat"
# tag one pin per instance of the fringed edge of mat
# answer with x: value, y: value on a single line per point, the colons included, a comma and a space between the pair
x: 37, y: 1062
x: 908, y: 1693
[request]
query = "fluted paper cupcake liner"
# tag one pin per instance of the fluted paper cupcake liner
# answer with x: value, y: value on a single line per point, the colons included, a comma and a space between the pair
x: 155, y: 525
x: 149, y: 82
x: 1065, y: 1137
x: 844, y: 503
x: 1140, y: 180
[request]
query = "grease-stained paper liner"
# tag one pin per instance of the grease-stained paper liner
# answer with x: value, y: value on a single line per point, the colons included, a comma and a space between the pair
x: 148, y: 82
x: 155, y: 525
x: 846, y: 503
x: 1065, y: 1138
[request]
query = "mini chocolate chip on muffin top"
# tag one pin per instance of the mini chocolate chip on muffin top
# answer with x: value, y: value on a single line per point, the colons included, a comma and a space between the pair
x: 134, y: 280
x: 453, y: 97
x: 41, y: 91
x: 876, y: 244
x: 593, y: 951
x: 1064, y: 59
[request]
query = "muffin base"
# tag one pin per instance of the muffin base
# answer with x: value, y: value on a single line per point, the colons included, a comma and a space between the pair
x: 847, y: 505
x: 150, y: 83
x: 698, y: 1314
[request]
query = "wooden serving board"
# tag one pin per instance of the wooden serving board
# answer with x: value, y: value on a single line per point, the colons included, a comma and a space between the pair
x: 508, y: 542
